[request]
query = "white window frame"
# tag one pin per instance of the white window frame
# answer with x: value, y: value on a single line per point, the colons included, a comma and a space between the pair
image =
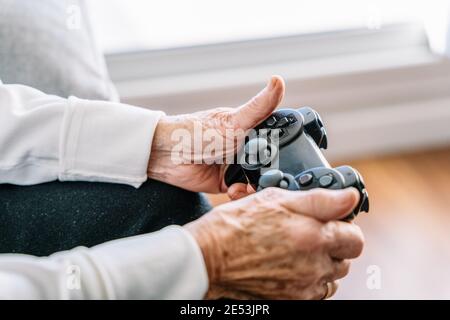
x: 378, y: 90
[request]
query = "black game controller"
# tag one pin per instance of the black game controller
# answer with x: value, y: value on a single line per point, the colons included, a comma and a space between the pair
x: 284, y: 151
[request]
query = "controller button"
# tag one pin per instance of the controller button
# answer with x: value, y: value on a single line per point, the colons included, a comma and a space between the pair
x: 271, y: 178
x: 271, y: 121
x: 284, y: 184
x: 292, y: 119
x: 255, y: 149
x: 305, y: 179
x: 325, y: 181
x: 276, y: 134
x: 283, y: 122
x: 255, y: 146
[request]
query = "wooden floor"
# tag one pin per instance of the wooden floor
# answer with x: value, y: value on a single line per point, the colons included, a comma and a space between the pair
x: 407, y: 230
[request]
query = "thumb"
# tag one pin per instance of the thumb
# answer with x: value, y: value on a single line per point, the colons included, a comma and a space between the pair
x: 239, y: 190
x: 262, y: 105
x: 322, y: 204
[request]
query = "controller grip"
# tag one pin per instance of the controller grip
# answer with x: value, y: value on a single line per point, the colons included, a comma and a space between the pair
x: 234, y: 174
x: 352, y: 178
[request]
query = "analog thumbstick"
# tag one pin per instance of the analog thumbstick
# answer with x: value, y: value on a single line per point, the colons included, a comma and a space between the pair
x: 271, y: 178
x: 257, y: 151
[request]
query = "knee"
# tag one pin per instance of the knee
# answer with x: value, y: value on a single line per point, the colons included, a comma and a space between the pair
x: 169, y: 204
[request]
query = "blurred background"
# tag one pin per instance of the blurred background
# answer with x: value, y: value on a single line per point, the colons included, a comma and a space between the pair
x: 378, y: 73
x: 376, y: 70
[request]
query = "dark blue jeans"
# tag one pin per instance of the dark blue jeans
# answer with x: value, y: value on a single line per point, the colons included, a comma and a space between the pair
x: 50, y: 217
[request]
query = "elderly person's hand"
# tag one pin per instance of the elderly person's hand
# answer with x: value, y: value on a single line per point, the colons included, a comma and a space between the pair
x: 203, y: 168
x: 279, y: 244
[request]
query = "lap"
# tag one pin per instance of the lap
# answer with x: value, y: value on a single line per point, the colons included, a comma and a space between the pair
x: 56, y: 216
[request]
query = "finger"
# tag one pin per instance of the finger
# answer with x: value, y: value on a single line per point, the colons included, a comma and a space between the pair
x: 262, y: 105
x: 327, y: 290
x: 237, y: 191
x: 322, y: 204
x: 250, y: 189
x: 332, y: 288
x: 341, y: 269
x: 345, y: 240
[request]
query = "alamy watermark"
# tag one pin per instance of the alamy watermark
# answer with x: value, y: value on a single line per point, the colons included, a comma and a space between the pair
x: 373, y: 281
x: 73, y: 277
x: 74, y: 17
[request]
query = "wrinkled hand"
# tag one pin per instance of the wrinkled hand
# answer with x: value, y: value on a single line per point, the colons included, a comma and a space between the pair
x: 204, y: 176
x: 279, y: 244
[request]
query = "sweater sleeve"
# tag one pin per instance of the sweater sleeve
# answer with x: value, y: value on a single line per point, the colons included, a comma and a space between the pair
x: 167, y: 264
x: 45, y: 138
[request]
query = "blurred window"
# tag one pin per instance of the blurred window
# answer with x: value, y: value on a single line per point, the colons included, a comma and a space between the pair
x: 136, y: 25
